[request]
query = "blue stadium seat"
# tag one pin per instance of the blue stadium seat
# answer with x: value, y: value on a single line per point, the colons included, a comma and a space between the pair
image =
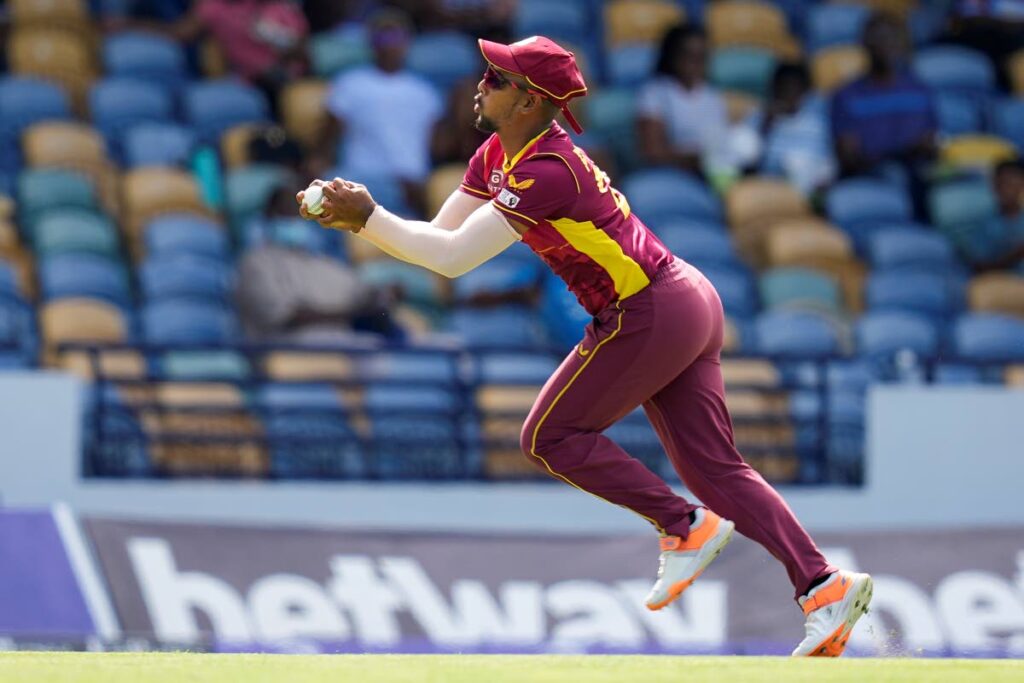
x: 418, y: 284
x: 957, y: 373
x: 907, y: 247
x: 637, y: 437
x: 90, y: 275
x: 859, y: 205
x: 212, y: 107
x: 659, y: 195
x: 158, y: 144
x: 18, y: 338
x: 122, y: 452
x: 74, y: 231
x: 495, y: 278
x: 444, y: 57
x: 145, y: 56
x: 309, y: 432
x: 8, y: 280
x: 24, y: 101
x: 955, y: 69
x: 795, y: 334
x: 958, y: 113
x: 799, y: 288
x: 735, y: 287
x: 183, y: 233
x: 560, y: 20
x: 42, y: 189
x: 184, y: 276
x: 959, y: 208
x: 294, y: 232
x: 611, y: 118
x: 389, y: 397
x: 117, y: 104
x: 506, y: 327
x: 699, y: 242
x: 515, y: 368
x: 247, y: 189
x: 341, y: 48
x: 930, y: 293
x: 1008, y: 120
x: 415, y: 446
x: 177, y: 321
x: 205, y: 365
x: 386, y: 190
x: 435, y: 367
x: 631, y: 64
x: 831, y: 24
x: 989, y: 337
x: 883, y: 333
x: 562, y: 315
x: 743, y: 69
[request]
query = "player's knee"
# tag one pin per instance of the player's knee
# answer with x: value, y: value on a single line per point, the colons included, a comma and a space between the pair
x: 538, y: 441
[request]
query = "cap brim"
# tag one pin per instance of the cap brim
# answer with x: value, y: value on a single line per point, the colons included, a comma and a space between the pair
x: 499, y: 56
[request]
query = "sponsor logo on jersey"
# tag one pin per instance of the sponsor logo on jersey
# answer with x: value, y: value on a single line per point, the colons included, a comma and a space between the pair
x: 507, y: 198
x: 520, y: 184
x: 495, y: 180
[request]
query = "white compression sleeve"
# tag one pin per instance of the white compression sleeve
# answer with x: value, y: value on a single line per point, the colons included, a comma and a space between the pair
x: 450, y: 252
x: 456, y: 209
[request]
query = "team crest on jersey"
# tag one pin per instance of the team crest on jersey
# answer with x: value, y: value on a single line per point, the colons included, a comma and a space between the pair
x: 507, y: 198
x: 520, y: 184
x: 494, y: 182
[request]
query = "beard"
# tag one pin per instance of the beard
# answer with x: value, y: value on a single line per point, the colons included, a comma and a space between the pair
x: 484, y: 124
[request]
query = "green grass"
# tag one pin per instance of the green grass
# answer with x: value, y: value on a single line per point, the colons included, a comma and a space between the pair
x: 78, y: 667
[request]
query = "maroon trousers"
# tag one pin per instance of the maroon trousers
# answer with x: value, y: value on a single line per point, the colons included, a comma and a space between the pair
x: 660, y: 348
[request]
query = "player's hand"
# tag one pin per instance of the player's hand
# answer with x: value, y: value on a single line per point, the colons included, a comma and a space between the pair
x: 325, y: 218
x: 347, y: 203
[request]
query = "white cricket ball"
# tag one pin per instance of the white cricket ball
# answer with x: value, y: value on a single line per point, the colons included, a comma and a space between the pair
x: 313, y: 199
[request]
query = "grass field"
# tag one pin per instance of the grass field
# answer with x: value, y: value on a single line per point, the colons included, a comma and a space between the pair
x: 77, y: 667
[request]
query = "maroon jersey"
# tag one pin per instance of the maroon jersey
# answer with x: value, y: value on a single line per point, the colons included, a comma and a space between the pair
x: 579, y: 224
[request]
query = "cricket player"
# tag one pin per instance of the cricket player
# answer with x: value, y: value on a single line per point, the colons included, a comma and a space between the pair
x: 655, y: 338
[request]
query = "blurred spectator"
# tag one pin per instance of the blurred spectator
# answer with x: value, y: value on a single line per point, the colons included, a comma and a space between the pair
x: 383, y: 114
x: 290, y: 290
x: 490, y: 19
x: 1000, y: 242
x: 681, y: 118
x: 791, y: 132
x: 273, y: 145
x: 886, y: 117
x: 994, y: 27
x: 263, y: 41
x: 455, y: 137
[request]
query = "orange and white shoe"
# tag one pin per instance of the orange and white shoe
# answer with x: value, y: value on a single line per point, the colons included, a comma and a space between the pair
x: 832, y: 608
x: 682, y: 561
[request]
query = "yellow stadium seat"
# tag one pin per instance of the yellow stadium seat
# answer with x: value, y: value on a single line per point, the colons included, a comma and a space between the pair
x: 739, y: 105
x: 302, y: 110
x: 639, y: 21
x: 998, y: 292
x: 234, y: 447
x: 804, y: 245
x: 234, y: 144
x: 753, y: 403
x: 503, y: 458
x: 80, y: 319
x: 297, y: 366
x: 67, y: 14
x: 1015, y: 65
x: 753, y: 205
x: 977, y: 151
x: 149, y: 192
x: 114, y: 364
x: 751, y: 23
x: 54, y: 54
x: 1015, y: 376
x: 750, y: 372
x: 212, y: 62
x: 778, y: 468
x: 441, y: 183
x: 75, y: 146
x: 506, y: 399
x: 731, y: 341
x: 834, y: 67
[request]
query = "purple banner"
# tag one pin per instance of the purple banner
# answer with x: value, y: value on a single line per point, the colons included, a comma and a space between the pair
x: 226, y: 587
x: 39, y: 595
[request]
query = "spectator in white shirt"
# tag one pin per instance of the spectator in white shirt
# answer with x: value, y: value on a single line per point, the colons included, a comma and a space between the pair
x: 383, y: 114
x: 681, y: 120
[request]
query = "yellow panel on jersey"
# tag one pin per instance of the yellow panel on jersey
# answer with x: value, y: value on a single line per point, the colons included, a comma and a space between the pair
x: 628, y: 276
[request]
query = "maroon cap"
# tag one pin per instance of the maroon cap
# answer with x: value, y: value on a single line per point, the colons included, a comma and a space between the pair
x: 548, y: 68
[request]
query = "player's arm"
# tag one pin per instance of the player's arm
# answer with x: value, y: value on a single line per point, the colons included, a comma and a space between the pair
x: 456, y: 209
x: 445, y: 249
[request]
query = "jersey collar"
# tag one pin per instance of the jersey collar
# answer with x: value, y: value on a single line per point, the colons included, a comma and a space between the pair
x: 507, y: 165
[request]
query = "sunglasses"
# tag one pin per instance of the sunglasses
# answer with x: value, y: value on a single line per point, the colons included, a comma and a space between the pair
x: 494, y: 80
